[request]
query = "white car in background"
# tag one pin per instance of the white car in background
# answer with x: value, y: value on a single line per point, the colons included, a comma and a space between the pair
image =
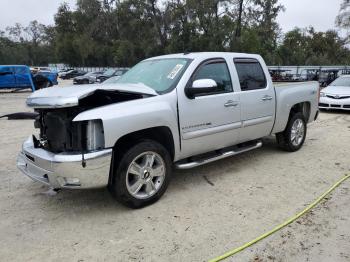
x: 336, y: 95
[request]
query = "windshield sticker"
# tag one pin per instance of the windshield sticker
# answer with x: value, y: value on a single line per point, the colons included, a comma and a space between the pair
x: 175, y: 71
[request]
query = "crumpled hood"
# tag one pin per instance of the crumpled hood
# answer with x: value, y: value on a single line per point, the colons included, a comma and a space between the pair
x: 59, y: 97
x: 337, y: 90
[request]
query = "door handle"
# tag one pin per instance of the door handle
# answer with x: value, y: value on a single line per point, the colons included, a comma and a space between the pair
x: 231, y: 103
x: 267, y: 98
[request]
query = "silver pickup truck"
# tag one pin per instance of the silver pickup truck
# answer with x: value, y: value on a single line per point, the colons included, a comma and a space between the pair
x: 181, y: 110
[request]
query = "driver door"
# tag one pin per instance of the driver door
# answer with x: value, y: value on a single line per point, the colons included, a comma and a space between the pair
x: 210, y: 120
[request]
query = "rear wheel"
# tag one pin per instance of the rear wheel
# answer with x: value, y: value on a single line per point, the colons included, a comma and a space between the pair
x: 293, y: 137
x: 43, y: 84
x: 142, y: 174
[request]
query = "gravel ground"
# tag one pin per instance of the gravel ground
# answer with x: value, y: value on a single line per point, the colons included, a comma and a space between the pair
x: 205, y: 212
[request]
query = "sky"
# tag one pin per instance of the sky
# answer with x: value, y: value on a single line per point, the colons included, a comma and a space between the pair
x: 301, y: 13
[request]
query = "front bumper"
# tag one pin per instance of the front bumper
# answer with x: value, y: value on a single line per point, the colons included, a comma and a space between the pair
x: 331, y: 103
x: 65, y: 170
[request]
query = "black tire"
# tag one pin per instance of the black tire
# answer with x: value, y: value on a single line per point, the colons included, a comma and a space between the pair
x: 284, y: 139
x: 118, y: 185
x: 42, y: 85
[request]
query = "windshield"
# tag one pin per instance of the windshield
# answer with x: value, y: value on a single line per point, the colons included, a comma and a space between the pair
x: 160, y: 74
x: 341, y: 81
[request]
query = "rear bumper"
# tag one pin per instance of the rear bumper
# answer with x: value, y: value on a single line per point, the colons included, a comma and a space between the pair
x: 330, y: 103
x: 65, y: 170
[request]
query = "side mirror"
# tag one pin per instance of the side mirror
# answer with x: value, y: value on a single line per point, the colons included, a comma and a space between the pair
x: 200, y: 86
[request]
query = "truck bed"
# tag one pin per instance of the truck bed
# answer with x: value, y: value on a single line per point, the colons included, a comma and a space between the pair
x: 292, y: 83
x: 291, y: 93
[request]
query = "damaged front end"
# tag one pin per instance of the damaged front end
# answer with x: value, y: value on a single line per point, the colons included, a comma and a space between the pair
x: 67, y: 153
x: 59, y: 133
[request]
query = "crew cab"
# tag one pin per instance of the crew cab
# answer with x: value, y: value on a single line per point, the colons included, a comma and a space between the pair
x: 180, y: 110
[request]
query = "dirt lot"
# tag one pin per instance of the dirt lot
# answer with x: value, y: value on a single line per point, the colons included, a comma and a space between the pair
x: 205, y: 212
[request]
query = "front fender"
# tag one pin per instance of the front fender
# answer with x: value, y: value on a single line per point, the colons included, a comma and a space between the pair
x: 127, y: 117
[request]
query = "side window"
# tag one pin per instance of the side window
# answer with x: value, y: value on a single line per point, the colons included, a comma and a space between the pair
x: 5, y: 70
x: 250, y: 73
x: 218, y: 71
x: 20, y: 70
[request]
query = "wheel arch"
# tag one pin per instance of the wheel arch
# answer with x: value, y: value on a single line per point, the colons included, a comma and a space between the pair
x: 160, y: 134
x: 284, y: 114
x: 302, y: 107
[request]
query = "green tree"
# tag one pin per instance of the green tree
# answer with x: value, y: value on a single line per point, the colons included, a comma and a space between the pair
x: 123, y: 32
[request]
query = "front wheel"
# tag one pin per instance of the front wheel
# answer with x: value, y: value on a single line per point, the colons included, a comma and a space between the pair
x: 293, y: 137
x: 141, y: 175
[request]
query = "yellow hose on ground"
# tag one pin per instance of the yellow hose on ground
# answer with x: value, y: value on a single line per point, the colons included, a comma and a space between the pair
x: 318, y: 200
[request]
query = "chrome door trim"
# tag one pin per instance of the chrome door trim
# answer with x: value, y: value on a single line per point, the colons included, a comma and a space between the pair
x: 257, y: 121
x: 212, y: 130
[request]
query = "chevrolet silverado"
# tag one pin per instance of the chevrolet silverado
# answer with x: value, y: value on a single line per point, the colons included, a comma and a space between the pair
x: 180, y: 110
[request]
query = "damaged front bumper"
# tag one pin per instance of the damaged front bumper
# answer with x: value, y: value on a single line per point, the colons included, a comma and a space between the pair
x: 65, y: 170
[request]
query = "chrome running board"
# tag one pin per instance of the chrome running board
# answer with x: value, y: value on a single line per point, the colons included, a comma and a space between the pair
x: 183, y: 164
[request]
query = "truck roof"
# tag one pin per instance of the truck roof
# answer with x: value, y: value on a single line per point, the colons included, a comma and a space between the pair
x: 205, y: 55
x: 13, y: 65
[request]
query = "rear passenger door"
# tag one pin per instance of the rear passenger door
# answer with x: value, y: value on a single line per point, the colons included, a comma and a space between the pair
x: 257, y: 98
x: 7, y: 78
x: 22, y: 76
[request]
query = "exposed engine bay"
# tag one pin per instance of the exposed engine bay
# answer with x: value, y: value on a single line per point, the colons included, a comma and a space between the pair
x: 58, y: 133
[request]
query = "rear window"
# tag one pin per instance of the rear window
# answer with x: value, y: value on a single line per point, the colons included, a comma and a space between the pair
x: 250, y: 73
x: 21, y: 70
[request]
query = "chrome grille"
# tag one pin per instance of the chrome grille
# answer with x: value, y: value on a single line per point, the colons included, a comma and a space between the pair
x: 337, y: 96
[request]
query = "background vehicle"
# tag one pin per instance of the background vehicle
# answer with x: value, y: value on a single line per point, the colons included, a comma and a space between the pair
x: 20, y: 77
x: 42, y: 73
x: 336, y: 95
x: 110, y: 73
x: 184, y: 110
x: 280, y: 75
x: 71, y: 74
x: 88, y: 78
x: 327, y: 76
x: 63, y: 71
x: 111, y: 80
x: 40, y: 69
